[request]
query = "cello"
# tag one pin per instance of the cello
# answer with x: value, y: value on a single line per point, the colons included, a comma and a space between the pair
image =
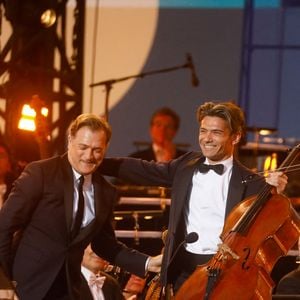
x: 256, y: 234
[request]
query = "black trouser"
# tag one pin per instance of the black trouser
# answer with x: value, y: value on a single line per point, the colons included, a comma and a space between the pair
x: 188, y: 262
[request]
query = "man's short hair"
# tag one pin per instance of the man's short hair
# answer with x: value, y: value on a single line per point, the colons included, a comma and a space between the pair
x: 92, y: 121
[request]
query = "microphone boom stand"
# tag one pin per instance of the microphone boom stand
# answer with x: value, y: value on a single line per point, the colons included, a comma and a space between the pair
x: 109, y: 83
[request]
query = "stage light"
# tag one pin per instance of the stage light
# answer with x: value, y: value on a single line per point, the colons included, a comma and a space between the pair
x: 44, y: 111
x: 48, y: 18
x: 31, y: 14
x: 270, y: 163
x: 265, y: 131
x: 28, y: 117
x: 27, y: 121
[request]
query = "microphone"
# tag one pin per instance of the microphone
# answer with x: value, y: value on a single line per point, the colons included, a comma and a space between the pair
x: 190, y: 65
x: 192, y: 237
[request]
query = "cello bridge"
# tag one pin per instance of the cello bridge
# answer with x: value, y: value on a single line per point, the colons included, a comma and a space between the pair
x: 225, y: 250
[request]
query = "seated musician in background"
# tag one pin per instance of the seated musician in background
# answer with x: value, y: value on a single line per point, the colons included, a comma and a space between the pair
x: 98, y: 285
x: 164, y: 125
x: 134, y: 288
x: 205, y: 186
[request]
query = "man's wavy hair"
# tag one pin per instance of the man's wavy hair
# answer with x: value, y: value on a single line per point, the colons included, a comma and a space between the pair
x: 228, y: 111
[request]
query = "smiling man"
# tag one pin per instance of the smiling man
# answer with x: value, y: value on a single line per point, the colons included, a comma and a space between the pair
x: 60, y: 205
x: 205, y: 185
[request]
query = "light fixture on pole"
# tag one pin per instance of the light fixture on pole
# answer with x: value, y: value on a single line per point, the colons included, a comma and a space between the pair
x: 30, y: 112
x: 48, y: 18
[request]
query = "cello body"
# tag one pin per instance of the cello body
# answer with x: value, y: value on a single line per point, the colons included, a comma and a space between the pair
x: 242, y: 265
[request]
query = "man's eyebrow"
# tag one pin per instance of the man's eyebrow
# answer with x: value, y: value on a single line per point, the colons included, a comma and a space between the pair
x: 85, y: 145
x: 215, y: 129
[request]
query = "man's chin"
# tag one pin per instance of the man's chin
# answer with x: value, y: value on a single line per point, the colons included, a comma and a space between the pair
x: 209, y: 154
x: 88, y: 170
x: 212, y: 158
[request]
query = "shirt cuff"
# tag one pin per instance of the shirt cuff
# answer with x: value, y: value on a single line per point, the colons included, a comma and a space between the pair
x: 146, y: 265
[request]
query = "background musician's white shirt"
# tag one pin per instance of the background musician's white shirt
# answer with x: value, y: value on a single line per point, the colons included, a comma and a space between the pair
x: 96, y: 293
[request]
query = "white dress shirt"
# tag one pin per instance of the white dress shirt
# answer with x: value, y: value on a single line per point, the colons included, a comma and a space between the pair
x: 206, y: 211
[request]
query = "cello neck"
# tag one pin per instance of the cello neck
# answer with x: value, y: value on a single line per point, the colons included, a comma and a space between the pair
x: 246, y: 220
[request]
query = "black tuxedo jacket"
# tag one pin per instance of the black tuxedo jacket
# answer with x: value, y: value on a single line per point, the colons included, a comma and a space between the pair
x: 41, y: 205
x: 177, y: 175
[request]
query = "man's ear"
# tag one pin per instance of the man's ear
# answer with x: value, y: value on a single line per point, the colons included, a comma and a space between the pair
x: 69, y: 138
x: 236, y: 138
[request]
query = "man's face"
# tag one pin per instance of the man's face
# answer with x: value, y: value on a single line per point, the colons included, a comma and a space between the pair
x: 162, y: 129
x: 215, y: 139
x: 92, y: 261
x: 86, y: 150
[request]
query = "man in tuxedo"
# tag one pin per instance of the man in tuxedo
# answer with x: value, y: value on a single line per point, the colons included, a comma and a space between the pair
x: 98, y: 285
x: 164, y: 124
x: 205, y: 186
x: 58, y: 206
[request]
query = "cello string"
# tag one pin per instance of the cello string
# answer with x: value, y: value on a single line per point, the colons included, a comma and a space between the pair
x: 263, y: 196
x: 284, y: 169
x: 263, y: 174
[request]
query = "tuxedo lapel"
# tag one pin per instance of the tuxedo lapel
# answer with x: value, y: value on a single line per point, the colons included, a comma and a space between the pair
x: 236, y: 189
x: 84, y: 232
x: 68, y: 183
x: 100, y: 199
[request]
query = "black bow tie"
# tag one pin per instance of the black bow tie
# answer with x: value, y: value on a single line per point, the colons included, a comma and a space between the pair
x: 204, y: 168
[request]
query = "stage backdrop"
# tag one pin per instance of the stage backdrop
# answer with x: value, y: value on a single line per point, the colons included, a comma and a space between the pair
x: 129, y: 38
